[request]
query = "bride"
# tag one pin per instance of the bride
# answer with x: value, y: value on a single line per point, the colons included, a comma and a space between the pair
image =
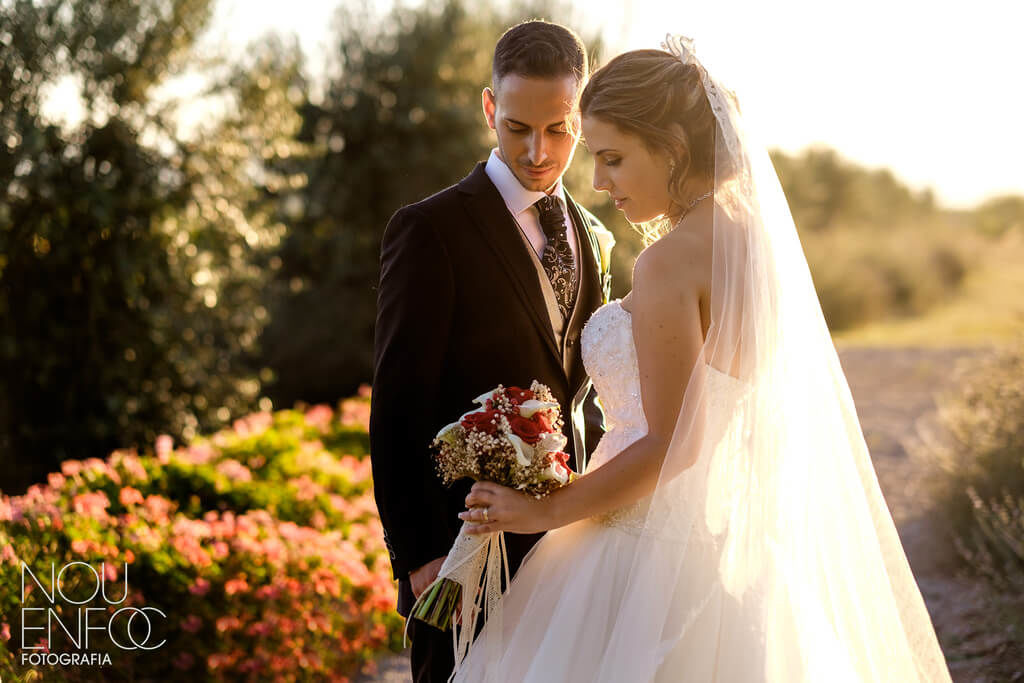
x: 729, y: 526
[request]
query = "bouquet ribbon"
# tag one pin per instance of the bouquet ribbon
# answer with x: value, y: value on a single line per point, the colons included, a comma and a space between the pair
x: 472, y: 571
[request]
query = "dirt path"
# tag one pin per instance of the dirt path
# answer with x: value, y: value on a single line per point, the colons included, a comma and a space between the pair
x: 894, y: 389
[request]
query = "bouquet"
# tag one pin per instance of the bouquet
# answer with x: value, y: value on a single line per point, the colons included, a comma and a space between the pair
x: 514, y: 439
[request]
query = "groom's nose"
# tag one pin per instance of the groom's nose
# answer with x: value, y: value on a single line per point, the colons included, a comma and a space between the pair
x: 537, y: 147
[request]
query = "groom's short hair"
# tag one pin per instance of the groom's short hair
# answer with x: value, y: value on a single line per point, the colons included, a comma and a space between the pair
x: 539, y: 49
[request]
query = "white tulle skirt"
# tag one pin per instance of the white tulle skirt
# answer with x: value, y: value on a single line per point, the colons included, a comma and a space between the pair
x: 564, y: 609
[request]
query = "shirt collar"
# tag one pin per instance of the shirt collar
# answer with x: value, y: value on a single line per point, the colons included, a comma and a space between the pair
x: 517, y: 198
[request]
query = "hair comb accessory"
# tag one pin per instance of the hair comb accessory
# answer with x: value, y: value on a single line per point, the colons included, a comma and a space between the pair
x: 681, y: 48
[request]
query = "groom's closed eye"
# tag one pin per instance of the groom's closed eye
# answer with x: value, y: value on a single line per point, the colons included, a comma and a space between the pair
x: 559, y: 130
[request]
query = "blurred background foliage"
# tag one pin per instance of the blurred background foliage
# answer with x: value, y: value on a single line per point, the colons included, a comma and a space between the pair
x: 132, y: 260
x: 160, y: 281
x: 976, y: 475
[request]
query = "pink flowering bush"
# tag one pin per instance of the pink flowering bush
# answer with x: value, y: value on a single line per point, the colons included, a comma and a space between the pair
x: 261, y: 544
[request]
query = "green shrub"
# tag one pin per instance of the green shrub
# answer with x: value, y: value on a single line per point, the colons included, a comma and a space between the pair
x: 980, y: 446
x: 980, y: 487
x: 864, y: 274
x: 1000, y: 215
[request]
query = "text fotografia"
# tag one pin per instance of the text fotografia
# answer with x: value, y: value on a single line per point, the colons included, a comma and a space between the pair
x: 83, y: 628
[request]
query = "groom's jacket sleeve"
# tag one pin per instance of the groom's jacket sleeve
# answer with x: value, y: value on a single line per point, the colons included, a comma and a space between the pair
x: 415, y: 302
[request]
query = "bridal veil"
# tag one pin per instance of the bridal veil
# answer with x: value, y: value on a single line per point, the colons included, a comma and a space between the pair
x: 768, y: 528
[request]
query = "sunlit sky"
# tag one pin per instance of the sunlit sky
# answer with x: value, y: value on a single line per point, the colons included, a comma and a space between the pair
x: 929, y: 89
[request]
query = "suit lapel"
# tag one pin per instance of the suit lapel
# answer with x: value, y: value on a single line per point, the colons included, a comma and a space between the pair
x: 587, y: 299
x: 499, y: 230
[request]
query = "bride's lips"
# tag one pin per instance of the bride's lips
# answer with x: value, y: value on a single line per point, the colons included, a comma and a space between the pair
x: 620, y: 202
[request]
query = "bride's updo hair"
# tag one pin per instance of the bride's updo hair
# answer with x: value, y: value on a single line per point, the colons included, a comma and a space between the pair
x: 657, y: 98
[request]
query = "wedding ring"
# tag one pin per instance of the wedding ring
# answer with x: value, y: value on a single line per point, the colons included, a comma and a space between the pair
x: 486, y: 510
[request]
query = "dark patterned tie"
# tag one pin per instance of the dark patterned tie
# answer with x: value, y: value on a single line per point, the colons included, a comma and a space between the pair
x: 557, y: 257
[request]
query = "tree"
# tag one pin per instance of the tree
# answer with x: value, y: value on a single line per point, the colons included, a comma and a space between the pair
x: 129, y: 258
x: 824, y: 191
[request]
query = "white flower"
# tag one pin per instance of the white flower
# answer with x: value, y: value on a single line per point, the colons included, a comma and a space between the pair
x: 557, y: 471
x: 482, y: 398
x: 524, y: 451
x: 551, y: 442
x: 528, y: 408
x: 449, y: 433
x: 472, y: 412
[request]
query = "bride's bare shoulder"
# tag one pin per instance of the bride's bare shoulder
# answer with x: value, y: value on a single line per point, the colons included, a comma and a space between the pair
x: 678, y: 264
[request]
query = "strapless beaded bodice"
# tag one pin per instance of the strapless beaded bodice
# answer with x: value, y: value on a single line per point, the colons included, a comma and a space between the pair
x: 609, y: 356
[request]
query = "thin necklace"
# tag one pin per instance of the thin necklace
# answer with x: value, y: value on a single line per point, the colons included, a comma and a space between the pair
x: 689, y: 207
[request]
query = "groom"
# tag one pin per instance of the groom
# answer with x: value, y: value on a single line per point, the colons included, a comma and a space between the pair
x: 487, y: 282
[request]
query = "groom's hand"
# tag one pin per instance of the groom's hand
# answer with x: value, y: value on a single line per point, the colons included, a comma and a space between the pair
x: 425, y: 575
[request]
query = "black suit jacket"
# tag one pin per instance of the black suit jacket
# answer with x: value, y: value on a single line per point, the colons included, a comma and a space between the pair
x: 461, y: 308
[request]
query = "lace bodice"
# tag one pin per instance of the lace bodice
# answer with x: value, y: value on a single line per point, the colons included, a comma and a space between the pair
x: 610, y: 358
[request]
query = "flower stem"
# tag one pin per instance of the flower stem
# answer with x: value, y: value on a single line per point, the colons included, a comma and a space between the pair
x: 438, y: 605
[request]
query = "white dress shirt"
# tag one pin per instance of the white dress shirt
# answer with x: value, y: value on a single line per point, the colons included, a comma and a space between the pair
x: 520, y: 203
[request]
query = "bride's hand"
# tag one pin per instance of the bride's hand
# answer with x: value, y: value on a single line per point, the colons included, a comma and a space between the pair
x: 507, y: 510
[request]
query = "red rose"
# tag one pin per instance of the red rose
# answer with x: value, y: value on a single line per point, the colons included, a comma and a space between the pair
x: 541, y: 418
x: 517, y: 395
x: 527, y: 430
x: 481, y: 421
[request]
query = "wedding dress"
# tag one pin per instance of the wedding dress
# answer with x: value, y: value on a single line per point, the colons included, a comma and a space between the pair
x: 560, y: 611
x: 765, y: 552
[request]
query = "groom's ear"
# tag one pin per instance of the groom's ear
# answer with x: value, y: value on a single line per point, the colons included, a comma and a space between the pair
x: 487, y: 97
